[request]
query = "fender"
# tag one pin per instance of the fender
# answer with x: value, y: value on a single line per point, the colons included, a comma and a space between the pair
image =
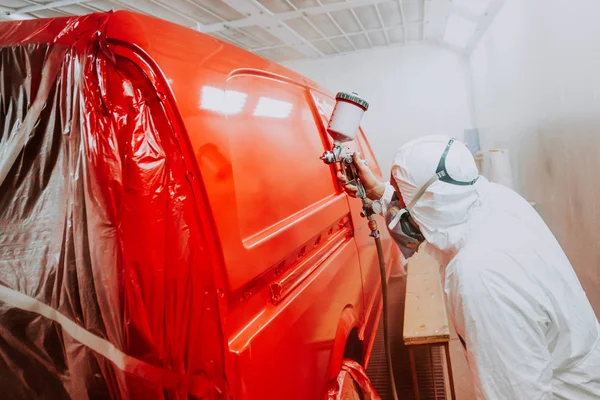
x: 348, y: 321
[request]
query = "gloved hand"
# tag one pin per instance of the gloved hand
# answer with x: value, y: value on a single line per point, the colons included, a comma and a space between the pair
x: 374, y: 188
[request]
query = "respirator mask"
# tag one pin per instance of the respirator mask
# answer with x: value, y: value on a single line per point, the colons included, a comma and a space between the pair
x: 403, y: 231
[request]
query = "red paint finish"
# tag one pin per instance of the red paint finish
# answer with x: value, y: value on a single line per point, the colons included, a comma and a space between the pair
x: 287, y: 255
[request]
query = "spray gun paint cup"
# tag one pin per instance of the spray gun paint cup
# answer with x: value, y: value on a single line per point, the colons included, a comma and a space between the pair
x: 345, y: 119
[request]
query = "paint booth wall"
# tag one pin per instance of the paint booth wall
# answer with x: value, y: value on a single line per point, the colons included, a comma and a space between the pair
x: 412, y: 91
x: 536, y: 91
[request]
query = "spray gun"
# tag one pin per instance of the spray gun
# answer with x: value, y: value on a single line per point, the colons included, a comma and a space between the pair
x: 343, y: 127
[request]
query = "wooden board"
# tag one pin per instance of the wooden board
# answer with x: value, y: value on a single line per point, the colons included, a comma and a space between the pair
x: 425, y: 317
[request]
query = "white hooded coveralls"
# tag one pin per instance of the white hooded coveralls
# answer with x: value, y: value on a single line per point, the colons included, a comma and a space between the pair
x: 529, y: 330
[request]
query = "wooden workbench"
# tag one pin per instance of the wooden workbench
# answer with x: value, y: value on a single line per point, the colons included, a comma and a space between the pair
x: 425, y: 317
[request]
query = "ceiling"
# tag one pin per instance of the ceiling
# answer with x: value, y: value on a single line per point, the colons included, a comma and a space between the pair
x: 288, y: 30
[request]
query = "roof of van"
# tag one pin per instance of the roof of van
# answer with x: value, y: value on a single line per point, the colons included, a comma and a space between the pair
x: 180, y: 53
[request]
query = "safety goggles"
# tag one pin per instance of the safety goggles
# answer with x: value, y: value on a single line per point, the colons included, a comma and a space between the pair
x: 441, y: 174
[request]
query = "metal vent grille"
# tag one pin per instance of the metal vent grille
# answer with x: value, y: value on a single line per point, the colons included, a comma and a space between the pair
x: 431, y: 380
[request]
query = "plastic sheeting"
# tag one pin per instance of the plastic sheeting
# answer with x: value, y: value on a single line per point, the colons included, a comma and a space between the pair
x: 106, y: 287
x: 352, y: 384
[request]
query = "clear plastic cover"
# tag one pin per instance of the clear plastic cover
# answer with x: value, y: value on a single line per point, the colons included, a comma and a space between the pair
x: 106, y: 286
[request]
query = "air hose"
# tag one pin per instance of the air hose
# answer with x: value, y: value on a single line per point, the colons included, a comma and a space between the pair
x: 384, y: 294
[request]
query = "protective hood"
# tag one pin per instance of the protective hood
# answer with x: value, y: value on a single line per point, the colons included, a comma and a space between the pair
x: 444, y: 208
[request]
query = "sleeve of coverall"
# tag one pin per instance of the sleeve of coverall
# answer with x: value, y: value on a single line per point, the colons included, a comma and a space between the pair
x: 494, y: 306
x: 386, y: 198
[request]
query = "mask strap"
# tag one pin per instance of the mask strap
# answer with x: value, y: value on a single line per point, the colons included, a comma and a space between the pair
x: 409, y: 207
x: 412, y: 203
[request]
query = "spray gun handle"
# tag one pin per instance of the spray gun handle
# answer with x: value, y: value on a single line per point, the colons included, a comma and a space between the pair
x: 351, y: 173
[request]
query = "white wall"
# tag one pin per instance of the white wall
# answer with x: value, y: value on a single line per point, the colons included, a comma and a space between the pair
x: 536, y: 85
x: 412, y: 91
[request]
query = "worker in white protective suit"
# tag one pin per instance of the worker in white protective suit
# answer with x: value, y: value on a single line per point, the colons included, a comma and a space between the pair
x: 515, y: 301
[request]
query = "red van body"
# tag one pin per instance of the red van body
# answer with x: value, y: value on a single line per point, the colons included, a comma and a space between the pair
x: 282, y: 252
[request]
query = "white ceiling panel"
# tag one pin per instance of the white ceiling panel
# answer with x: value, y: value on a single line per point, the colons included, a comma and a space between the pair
x: 14, y: 3
x: 154, y: 7
x: 343, y: 44
x: 101, y: 6
x: 378, y: 38
x: 396, y: 35
x: 303, y: 3
x: 303, y: 27
x: 285, y: 30
x: 346, y: 21
x: 390, y: 12
x: 325, y: 24
x: 227, y: 39
x: 368, y: 17
x: 241, y: 38
x: 277, y: 6
x: 282, y: 54
x: 106, y: 5
x: 190, y: 9
x: 326, y: 46
x: 360, y: 41
x: 48, y: 14
x: 262, y: 35
x: 75, y: 9
x: 413, y: 11
x: 216, y: 8
x: 332, y: 1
